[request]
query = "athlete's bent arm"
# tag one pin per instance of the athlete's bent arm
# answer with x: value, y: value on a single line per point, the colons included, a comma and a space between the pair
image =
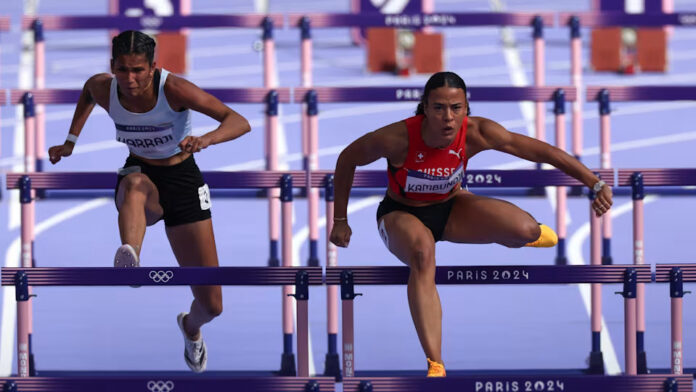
x: 85, y: 104
x: 498, y: 138
x: 183, y: 94
x: 387, y: 142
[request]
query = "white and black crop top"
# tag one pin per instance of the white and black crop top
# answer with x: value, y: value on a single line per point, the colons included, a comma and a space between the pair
x: 155, y: 134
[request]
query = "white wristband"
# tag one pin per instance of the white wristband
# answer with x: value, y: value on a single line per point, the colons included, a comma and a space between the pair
x: 71, y: 138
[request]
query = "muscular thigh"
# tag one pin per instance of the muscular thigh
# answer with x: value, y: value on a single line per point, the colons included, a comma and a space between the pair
x: 404, y: 234
x: 153, y: 209
x: 481, y: 220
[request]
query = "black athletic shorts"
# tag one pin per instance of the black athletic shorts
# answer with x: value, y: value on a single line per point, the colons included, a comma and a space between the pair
x: 183, y: 195
x: 434, y: 216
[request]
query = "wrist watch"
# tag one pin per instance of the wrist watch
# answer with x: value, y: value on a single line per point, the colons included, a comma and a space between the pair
x: 598, y: 186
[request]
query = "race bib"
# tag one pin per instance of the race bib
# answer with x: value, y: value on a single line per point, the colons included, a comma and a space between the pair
x: 204, y: 197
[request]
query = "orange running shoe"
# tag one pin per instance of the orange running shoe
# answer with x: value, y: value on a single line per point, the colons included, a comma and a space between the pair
x: 436, y: 369
x: 547, y: 239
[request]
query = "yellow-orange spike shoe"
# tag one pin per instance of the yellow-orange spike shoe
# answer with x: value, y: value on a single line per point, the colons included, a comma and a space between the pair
x: 436, y: 369
x: 547, y: 238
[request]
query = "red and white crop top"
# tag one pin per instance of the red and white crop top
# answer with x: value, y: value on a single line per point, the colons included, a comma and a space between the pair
x: 429, y: 174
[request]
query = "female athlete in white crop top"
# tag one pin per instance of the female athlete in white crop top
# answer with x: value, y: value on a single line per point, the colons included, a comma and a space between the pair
x: 160, y: 178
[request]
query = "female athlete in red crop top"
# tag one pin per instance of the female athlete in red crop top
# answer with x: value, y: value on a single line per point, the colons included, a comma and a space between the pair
x: 425, y: 203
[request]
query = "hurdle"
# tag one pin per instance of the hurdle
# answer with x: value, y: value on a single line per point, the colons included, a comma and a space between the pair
x: 169, y: 23
x: 676, y: 275
x: 27, y: 183
x: 270, y: 97
x: 638, y: 179
x: 576, y: 20
x: 377, y: 179
x: 604, y: 96
x: 349, y: 277
x: 168, y: 383
x: 301, y: 278
x: 4, y: 26
x: 570, y: 383
x: 557, y: 95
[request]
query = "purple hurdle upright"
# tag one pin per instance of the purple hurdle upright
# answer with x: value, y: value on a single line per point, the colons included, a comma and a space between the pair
x: 168, y: 23
x: 638, y: 179
x: 559, y: 95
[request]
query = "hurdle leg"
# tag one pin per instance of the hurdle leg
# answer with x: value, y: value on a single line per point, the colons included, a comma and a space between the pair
x: 605, y: 163
x: 639, y: 259
x: 539, y: 79
x: 676, y: 293
x: 332, y: 366
x: 23, y: 324
x: 561, y: 196
x: 40, y: 83
x: 301, y: 297
x: 287, y: 362
x: 26, y: 199
x: 347, y: 297
x: 629, y: 294
x: 271, y: 152
x: 576, y: 78
x: 596, y: 365
x: 313, y: 164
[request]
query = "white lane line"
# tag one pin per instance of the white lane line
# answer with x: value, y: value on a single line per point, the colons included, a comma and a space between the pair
x: 9, y: 306
x: 575, y: 246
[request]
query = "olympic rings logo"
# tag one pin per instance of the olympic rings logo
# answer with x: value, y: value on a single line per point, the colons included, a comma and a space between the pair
x: 161, y: 276
x: 160, y: 386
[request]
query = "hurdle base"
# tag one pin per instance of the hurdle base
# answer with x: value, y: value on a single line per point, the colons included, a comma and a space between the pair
x: 643, y: 363
x: 607, y: 260
x: 561, y: 260
x: 332, y: 366
x: 287, y: 365
x: 596, y: 363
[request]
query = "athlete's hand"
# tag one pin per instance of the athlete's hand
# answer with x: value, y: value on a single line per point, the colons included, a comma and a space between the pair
x: 193, y: 144
x: 340, y: 234
x: 602, y: 202
x: 55, y: 153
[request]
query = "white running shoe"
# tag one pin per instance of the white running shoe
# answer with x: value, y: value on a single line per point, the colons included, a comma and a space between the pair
x: 195, y: 351
x: 126, y: 257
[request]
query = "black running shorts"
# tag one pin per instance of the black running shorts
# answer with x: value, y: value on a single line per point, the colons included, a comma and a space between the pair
x: 434, y: 216
x: 183, y: 195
